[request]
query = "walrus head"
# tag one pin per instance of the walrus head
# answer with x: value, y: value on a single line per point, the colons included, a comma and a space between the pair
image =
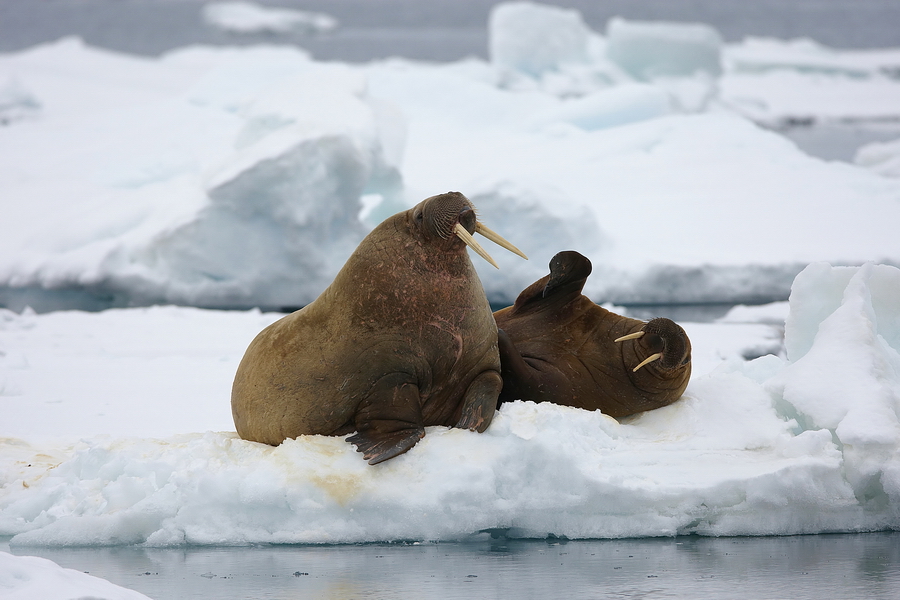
x: 666, y: 340
x: 452, y: 215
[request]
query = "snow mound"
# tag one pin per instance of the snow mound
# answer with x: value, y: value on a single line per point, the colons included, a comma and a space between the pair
x: 800, y: 83
x: 242, y: 177
x: 881, y: 157
x: 249, y: 171
x: 843, y: 376
x: 30, y: 577
x: 771, y: 446
x: 248, y: 17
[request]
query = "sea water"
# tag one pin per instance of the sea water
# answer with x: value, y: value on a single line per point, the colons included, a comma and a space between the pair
x: 815, y: 567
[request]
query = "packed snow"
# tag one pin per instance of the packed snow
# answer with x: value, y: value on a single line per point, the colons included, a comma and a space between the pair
x: 32, y: 577
x: 243, y: 177
x: 123, y: 435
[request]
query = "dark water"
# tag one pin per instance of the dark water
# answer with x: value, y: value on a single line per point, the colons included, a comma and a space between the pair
x: 819, y: 567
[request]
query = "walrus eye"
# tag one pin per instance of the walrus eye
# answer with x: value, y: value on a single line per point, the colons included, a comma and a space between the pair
x: 419, y: 216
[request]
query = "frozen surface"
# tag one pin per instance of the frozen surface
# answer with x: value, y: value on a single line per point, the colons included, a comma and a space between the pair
x: 536, y: 38
x: 31, y: 577
x: 881, y: 157
x: 242, y: 177
x: 121, y: 434
x: 656, y: 49
x: 249, y: 17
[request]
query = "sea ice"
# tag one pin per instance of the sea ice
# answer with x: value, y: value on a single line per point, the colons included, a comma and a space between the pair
x: 881, y: 157
x: 648, y: 50
x: 535, y: 38
x: 31, y: 577
x: 235, y: 177
x: 249, y: 17
x: 805, y: 442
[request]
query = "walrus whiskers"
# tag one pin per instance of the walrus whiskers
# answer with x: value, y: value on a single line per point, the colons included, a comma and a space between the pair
x: 646, y: 361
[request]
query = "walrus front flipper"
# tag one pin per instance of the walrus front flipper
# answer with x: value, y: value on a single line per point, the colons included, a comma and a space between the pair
x: 388, y: 426
x: 480, y: 402
x: 532, y: 380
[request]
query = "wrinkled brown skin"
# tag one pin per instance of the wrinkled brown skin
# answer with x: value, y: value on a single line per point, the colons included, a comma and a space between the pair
x: 556, y: 345
x: 402, y: 339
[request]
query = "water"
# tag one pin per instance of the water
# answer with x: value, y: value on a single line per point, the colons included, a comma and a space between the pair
x: 819, y: 567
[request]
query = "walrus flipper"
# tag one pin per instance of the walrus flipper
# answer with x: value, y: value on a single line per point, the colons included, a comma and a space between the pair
x: 535, y: 381
x: 388, y: 426
x: 480, y: 402
x: 569, y: 271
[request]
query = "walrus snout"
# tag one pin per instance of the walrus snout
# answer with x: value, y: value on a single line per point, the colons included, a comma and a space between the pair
x: 453, y: 214
x: 666, y: 340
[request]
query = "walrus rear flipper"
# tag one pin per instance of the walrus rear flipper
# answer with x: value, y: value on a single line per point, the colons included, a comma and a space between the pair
x: 569, y: 271
x: 388, y: 426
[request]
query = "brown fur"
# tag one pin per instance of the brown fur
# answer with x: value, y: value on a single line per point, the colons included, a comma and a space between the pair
x: 557, y: 346
x: 402, y: 339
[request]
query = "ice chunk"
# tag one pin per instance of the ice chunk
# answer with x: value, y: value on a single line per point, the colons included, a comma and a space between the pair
x: 29, y: 577
x: 542, y: 220
x: 536, y: 38
x: 843, y: 345
x: 248, y: 175
x: 249, y: 17
x: 619, y: 105
x: 648, y: 50
x: 16, y: 102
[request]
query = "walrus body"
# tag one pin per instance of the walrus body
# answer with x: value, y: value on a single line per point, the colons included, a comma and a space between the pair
x: 556, y: 345
x: 402, y: 339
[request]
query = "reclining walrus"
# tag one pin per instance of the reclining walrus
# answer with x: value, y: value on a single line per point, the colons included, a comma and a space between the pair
x: 402, y: 339
x: 556, y: 345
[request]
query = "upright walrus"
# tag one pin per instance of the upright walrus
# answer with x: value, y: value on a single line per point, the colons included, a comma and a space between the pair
x: 402, y: 339
x: 556, y: 345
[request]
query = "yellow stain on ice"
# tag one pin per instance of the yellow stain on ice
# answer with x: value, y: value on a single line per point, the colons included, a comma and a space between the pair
x: 341, y: 487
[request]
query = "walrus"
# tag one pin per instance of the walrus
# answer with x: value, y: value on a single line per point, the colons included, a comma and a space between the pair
x: 403, y: 338
x: 556, y: 345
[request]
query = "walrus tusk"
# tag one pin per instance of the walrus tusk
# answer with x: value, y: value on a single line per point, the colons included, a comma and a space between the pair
x: 630, y: 336
x: 465, y: 236
x: 647, y: 361
x: 498, y: 239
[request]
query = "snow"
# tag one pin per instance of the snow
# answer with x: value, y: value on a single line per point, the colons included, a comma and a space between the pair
x: 30, y: 577
x: 882, y: 157
x: 650, y: 50
x: 535, y: 38
x: 243, y: 177
x: 123, y: 435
